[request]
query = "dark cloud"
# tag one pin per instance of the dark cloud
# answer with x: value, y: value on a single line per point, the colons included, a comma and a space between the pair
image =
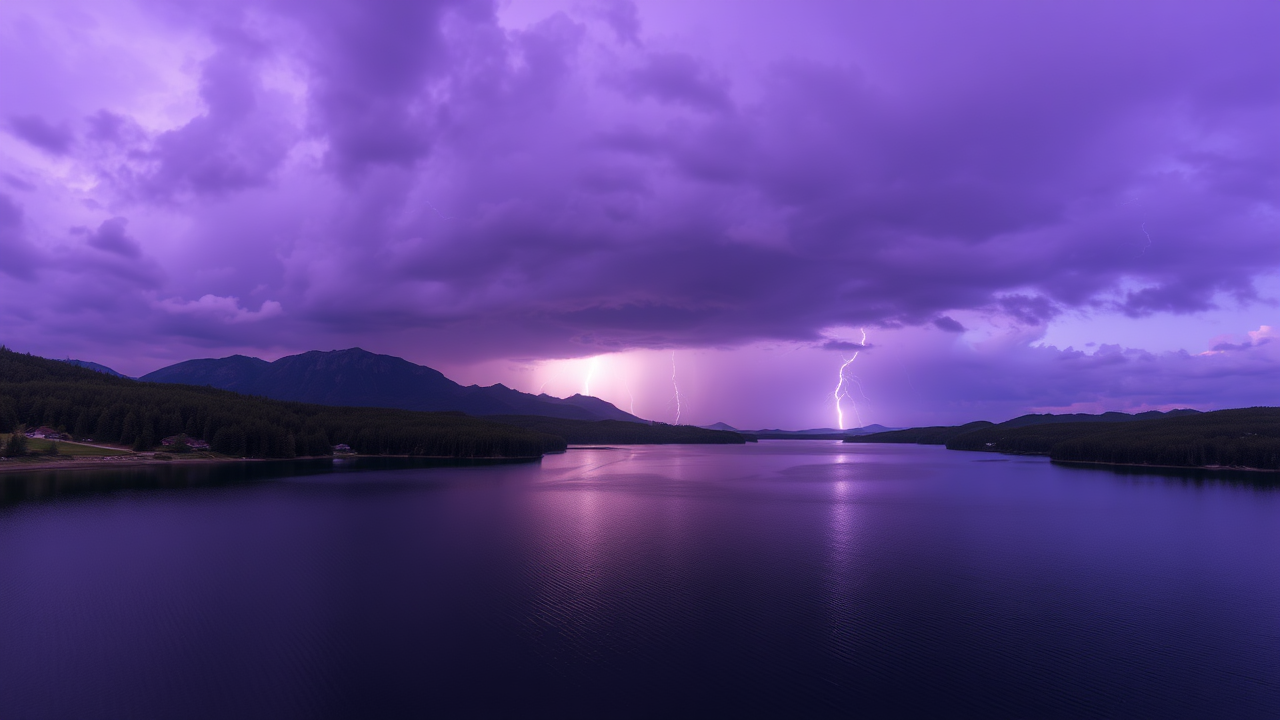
x: 53, y: 139
x: 372, y: 69
x: 236, y: 144
x: 16, y: 182
x: 622, y: 17
x: 948, y: 324
x: 1240, y: 346
x: 19, y: 258
x: 111, y: 237
x: 106, y: 126
x: 1026, y: 309
x: 844, y: 345
x: 419, y: 170
x: 831, y: 197
x: 678, y: 78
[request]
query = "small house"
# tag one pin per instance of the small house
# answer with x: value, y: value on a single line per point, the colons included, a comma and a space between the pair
x: 47, y: 433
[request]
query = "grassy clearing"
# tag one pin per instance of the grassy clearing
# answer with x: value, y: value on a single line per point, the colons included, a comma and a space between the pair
x: 38, y: 446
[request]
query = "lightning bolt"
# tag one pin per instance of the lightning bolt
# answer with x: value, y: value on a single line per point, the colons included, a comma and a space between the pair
x: 591, y: 370
x: 842, y: 390
x: 675, y: 385
x: 633, y: 398
x: 1148, y: 245
x: 433, y: 207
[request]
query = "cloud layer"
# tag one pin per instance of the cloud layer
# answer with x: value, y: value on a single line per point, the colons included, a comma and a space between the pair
x: 459, y: 182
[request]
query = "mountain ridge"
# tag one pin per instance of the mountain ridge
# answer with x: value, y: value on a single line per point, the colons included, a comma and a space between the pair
x: 96, y: 367
x: 358, y: 378
x: 811, y: 432
x: 944, y: 434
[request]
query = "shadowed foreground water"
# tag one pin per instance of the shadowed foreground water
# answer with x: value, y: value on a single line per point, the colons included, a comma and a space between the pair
x: 789, y: 578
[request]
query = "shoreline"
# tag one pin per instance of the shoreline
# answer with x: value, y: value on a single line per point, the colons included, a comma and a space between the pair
x: 99, y: 462
x: 104, y: 462
x: 1103, y: 464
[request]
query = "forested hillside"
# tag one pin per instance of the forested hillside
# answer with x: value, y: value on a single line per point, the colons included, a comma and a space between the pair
x: 943, y: 434
x: 1246, y: 437
x: 87, y: 404
x: 357, y: 378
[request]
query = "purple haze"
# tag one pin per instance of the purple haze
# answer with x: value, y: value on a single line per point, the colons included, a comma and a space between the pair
x: 1026, y: 205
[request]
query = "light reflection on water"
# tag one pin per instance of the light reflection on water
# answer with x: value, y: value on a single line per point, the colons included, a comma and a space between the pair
x: 793, y: 578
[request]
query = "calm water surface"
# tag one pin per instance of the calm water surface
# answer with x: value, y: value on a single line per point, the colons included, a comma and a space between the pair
x: 789, y: 578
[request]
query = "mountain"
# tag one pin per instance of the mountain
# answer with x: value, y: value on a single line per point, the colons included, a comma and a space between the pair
x: 94, y: 367
x: 594, y: 405
x: 945, y: 434
x: 811, y: 434
x: 120, y: 411
x: 816, y: 433
x: 357, y: 378
x: 236, y: 373
x: 933, y: 435
x: 1047, y: 418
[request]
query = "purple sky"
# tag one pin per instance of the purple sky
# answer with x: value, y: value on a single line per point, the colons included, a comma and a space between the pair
x: 1026, y: 206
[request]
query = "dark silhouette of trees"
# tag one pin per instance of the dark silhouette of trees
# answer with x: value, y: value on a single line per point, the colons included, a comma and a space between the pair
x: 35, y: 391
x: 16, y: 445
x: 1244, y: 438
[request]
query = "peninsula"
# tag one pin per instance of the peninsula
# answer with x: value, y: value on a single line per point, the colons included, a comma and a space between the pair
x: 1242, y: 438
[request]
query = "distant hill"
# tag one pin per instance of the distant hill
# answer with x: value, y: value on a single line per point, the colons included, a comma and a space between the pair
x: 815, y: 433
x: 810, y: 434
x: 1042, y: 419
x: 945, y: 434
x: 614, y: 432
x: 1242, y: 438
x: 357, y: 378
x: 935, y: 435
x: 94, y: 366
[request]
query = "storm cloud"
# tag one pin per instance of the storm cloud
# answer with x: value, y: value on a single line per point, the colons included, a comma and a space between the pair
x: 460, y: 181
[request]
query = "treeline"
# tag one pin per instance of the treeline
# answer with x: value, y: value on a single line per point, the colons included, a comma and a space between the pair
x: 86, y: 404
x: 1245, y: 438
x: 1023, y: 440
x: 619, y: 432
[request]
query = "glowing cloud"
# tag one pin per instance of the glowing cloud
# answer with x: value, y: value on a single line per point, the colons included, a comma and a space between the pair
x: 226, y: 309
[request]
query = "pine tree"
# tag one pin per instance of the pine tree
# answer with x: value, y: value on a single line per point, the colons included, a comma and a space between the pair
x: 17, y: 445
x: 129, y: 433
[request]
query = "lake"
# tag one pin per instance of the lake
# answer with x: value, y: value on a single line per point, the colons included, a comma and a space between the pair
x: 785, y: 578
